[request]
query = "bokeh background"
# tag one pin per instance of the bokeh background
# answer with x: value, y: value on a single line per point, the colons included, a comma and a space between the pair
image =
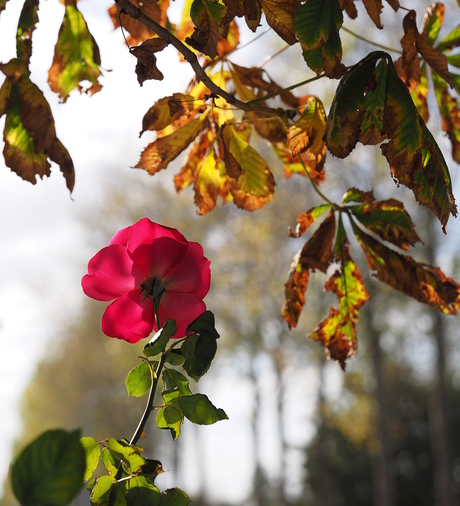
x: 300, y: 431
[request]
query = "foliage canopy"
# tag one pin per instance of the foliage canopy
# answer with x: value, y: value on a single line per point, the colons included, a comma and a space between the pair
x: 214, y: 122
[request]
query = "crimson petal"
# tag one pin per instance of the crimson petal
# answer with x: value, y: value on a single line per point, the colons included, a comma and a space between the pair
x: 129, y: 318
x: 182, y: 307
x: 192, y: 274
x: 111, y: 273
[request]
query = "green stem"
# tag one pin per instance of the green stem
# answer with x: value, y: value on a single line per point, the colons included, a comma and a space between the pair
x: 315, y: 186
x: 256, y: 101
x: 376, y: 44
x: 155, y: 377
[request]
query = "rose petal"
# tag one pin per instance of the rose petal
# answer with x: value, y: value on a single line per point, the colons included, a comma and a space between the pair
x: 129, y: 318
x: 182, y: 307
x: 111, y: 273
x: 192, y: 274
x: 156, y: 249
x: 121, y: 237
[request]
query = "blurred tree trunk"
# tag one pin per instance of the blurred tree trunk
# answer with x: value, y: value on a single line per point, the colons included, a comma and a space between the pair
x: 259, y: 483
x: 438, y: 416
x: 381, y: 480
x: 278, y: 361
x: 326, y: 495
x: 438, y: 406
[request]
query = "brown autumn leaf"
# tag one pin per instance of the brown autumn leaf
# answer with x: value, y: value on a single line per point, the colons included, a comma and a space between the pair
x: 137, y: 31
x: 158, y: 154
x: 146, y: 67
x: 306, y: 134
x: 229, y: 39
x: 280, y: 16
x: 256, y: 184
x: 349, y: 7
x: 292, y: 165
x: 305, y: 219
x: 374, y: 9
x: 420, y: 281
x: 315, y: 254
x: 408, y: 65
x: 204, y: 169
x: 29, y: 133
x: 169, y: 109
x: 259, y: 79
x: 206, y: 16
x: 449, y: 108
x: 232, y: 167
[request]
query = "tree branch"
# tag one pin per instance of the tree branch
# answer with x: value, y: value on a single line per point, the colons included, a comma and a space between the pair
x: 128, y: 8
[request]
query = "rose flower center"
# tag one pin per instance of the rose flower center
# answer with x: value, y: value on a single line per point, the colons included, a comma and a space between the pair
x: 153, y: 289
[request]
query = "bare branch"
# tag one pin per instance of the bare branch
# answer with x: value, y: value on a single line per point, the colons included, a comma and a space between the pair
x: 128, y: 8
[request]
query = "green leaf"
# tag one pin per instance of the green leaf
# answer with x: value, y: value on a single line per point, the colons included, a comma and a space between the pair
x: 317, y: 24
x: 170, y: 418
x: 76, y: 56
x: 159, y: 341
x: 204, y: 322
x: 174, y: 497
x: 414, y: 156
x: 128, y: 454
x: 139, y: 380
x: 347, y: 109
x: 374, y: 106
x: 450, y: 41
x: 151, y: 469
x: 50, y: 470
x: 256, y: 184
x: 199, y: 409
x: 101, y: 490
x: 338, y: 331
x: 26, y: 26
x: 92, y: 452
x: 170, y: 395
x: 175, y: 380
x: 110, y: 461
x: 141, y: 493
x: 175, y: 357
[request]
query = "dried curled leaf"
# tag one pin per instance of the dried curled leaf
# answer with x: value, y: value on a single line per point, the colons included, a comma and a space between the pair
x: 137, y: 31
x: 146, y: 67
x: 169, y: 109
x: 76, y: 56
x: 315, y: 254
x: 206, y: 16
x: 412, y: 43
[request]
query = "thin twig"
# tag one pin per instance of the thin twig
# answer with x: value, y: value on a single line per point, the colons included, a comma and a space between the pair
x: 274, y: 55
x: 131, y: 10
x: 376, y: 44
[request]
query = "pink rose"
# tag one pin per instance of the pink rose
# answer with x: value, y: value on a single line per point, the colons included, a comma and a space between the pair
x: 143, y: 265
